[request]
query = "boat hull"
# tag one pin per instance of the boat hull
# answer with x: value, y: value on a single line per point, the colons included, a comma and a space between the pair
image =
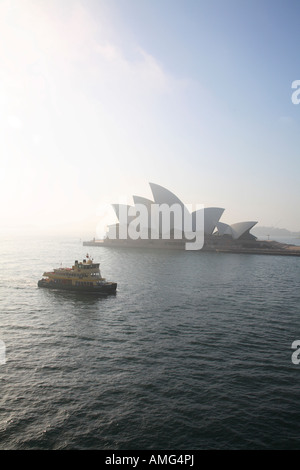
x: 107, y: 288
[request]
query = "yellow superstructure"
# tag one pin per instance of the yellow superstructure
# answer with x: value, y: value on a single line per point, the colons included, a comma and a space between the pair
x: 84, y: 273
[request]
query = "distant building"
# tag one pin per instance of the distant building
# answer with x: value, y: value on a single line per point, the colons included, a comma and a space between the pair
x: 214, y: 230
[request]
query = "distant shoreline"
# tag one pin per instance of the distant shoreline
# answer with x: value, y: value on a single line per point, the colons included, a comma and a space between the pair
x: 274, y: 232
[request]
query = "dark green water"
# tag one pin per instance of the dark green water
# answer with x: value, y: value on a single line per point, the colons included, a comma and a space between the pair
x: 194, y: 351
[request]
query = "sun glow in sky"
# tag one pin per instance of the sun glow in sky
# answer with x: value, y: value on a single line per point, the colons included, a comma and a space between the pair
x: 100, y: 97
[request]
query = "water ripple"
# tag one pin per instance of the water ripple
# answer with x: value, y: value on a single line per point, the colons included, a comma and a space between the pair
x: 194, y: 352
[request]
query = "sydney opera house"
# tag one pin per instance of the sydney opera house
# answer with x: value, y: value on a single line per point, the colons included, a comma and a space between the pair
x: 215, y: 232
x: 211, y: 234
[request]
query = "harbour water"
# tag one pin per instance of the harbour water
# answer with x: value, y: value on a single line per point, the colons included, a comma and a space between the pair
x: 194, y: 351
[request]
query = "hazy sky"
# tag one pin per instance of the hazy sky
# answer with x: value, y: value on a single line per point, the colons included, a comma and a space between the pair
x: 100, y: 97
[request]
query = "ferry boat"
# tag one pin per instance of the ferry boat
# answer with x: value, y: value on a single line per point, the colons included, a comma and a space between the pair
x: 83, y: 277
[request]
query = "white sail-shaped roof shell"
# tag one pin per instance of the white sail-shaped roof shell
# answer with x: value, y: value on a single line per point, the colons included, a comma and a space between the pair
x: 142, y: 200
x: 235, y: 230
x: 147, y: 203
x: 138, y: 200
x: 240, y: 228
x: 121, y: 210
x: 223, y: 229
x: 211, y: 218
x: 163, y: 196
